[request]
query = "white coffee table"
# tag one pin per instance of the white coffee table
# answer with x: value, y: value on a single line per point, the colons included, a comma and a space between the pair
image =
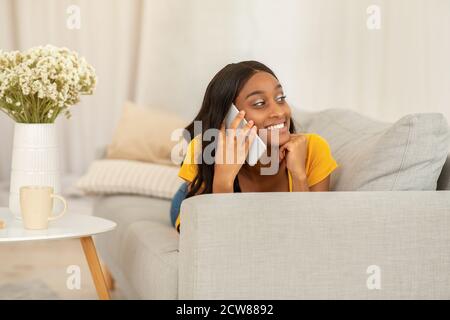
x: 71, y: 225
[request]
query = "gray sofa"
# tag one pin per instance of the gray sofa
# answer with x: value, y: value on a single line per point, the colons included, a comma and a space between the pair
x: 392, y: 231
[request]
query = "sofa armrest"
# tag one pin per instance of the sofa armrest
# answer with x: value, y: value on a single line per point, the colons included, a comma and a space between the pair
x: 316, y: 245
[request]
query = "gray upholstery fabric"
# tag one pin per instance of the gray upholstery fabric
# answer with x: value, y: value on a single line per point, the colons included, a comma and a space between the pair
x: 315, y: 245
x: 406, y: 155
x: 142, y: 252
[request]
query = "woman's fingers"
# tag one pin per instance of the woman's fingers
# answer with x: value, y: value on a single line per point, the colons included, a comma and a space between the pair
x: 247, y: 127
x: 222, y: 130
x: 248, y: 134
x: 283, y: 150
x: 251, y: 137
x: 244, y: 132
x: 237, y: 120
x: 236, y: 141
x: 281, y: 155
x: 222, y: 134
x: 285, y: 147
x: 220, y: 145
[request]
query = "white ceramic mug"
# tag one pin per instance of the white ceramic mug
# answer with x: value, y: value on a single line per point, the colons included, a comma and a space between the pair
x: 36, y: 205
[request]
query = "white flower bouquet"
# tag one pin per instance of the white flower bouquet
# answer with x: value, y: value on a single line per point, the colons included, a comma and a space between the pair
x: 42, y: 82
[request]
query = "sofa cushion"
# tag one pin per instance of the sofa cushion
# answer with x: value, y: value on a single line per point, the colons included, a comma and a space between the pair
x: 406, y: 155
x: 144, y: 246
x: 149, y: 259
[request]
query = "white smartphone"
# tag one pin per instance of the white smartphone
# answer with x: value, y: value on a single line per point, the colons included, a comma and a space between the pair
x: 257, y: 148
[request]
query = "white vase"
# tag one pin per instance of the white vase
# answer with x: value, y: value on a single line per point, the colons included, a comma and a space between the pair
x: 35, y: 161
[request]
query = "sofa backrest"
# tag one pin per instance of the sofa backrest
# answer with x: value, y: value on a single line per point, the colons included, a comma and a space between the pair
x: 373, y: 155
x: 444, y: 178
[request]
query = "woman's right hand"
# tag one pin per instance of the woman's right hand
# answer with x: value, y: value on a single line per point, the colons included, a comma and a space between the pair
x: 235, y: 143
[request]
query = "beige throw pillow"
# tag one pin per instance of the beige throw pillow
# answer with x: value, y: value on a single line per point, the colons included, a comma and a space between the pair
x: 108, y: 176
x: 143, y: 134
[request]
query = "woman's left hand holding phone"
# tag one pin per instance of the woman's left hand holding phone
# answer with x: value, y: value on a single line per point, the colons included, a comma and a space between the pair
x: 234, y: 142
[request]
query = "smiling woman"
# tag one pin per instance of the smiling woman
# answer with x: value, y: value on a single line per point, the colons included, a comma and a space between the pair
x: 304, y: 162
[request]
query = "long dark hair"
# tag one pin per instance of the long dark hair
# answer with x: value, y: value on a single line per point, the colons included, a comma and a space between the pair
x: 220, y: 94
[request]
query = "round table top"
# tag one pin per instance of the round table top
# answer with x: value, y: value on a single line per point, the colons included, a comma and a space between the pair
x: 71, y: 225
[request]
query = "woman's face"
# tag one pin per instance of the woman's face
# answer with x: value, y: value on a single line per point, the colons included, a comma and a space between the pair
x: 263, y: 100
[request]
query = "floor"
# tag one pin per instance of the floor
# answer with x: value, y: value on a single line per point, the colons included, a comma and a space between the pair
x: 46, y: 269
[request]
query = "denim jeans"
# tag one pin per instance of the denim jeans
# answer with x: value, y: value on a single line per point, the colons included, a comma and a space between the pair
x: 179, y: 196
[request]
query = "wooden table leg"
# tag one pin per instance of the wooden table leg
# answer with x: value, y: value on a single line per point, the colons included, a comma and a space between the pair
x: 94, y: 265
x: 110, y: 283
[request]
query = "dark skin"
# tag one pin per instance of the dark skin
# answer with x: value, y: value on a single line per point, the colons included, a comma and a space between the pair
x: 263, y: 102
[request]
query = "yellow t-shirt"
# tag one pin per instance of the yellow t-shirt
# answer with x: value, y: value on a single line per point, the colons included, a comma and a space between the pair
x: 319, y: 162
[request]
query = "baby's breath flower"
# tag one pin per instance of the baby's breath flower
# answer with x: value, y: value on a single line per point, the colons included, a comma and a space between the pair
x: 43, y: 77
